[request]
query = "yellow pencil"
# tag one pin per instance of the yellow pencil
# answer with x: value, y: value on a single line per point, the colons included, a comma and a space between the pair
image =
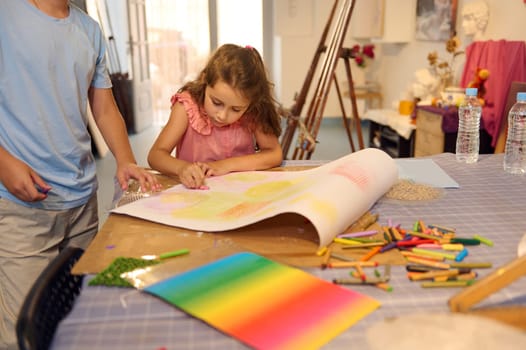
x: 453, y: 246
x: 447, y: 284
x: 428, y: 252
x: 420, y: 256
x: 427, y: 262
x: 424, y: 235
x: 322, y: 251
x: 352, y: 264
x: 471, y: 265
x: 346, y: 241
x: 326, y: 258
x: 433, y: 274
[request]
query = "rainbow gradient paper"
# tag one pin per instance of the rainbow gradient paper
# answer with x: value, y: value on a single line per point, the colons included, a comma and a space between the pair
x: 265, y: 304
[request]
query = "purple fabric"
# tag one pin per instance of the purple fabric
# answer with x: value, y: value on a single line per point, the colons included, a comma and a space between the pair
x: 449, y: 117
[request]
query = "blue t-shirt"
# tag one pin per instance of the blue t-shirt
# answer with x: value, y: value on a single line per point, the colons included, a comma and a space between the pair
x: 47, y: 66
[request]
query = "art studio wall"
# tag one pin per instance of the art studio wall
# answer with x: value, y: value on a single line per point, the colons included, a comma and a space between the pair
x: 299, y: 24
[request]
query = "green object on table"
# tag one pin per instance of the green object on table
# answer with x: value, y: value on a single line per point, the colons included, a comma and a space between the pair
x: 111, y: 276
x: 465, y: 241
x: 174, y: 253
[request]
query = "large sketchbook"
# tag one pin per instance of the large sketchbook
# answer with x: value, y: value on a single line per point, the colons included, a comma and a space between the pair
x: 331, y: 196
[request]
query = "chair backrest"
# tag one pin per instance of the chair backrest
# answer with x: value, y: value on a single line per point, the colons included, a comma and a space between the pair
x: 48, y: 301
x: 516, y: 86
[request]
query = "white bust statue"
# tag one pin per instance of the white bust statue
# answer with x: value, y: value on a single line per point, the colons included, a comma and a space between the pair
x: 475, y: 17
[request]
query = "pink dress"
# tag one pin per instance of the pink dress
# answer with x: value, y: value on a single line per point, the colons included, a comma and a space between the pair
x: 204, y: 142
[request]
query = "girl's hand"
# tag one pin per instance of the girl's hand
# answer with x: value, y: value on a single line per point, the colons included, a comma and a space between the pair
x: 193, y: 175
x: 216, y: 168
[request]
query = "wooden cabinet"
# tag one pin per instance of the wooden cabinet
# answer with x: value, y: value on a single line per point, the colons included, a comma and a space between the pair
x: 429, y: 136
x: 436, y: 132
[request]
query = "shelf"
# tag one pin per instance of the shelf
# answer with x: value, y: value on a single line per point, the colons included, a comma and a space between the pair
x: 387, y: 139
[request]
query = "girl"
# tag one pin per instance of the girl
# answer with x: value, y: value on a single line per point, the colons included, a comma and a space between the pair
x: 225, y: 120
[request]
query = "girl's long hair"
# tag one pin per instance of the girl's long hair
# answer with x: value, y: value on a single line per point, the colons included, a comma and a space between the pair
x: 242, y: 69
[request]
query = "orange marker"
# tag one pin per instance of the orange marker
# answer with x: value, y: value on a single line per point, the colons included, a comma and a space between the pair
x: 370, y: 254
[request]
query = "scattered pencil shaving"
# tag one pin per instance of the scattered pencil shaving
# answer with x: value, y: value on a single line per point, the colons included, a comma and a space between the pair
x: 410, y: 191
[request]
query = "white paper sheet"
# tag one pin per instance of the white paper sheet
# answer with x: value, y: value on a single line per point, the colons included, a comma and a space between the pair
x: 424, y: 171
x: 332, y: 196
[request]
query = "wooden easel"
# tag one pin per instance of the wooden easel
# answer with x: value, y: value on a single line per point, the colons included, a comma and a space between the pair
x: 334, y: 51
x: 498, y: 279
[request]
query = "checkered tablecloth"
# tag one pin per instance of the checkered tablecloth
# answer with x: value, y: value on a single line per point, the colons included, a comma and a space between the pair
x: 489, y: 202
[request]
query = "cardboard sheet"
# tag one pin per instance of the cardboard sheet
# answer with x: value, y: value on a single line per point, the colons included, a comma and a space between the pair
x: 289, y: 238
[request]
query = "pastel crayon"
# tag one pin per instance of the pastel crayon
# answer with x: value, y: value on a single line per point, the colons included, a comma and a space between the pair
x: 460, y: 256
x: 484, y: 240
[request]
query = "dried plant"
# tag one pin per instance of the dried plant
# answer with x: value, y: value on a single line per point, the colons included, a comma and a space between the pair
x: 443, y: 68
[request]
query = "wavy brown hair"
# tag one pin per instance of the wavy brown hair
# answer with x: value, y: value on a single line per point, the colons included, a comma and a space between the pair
x: 242, y: 69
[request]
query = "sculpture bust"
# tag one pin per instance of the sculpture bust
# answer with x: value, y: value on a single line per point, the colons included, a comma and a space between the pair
x: 475, y: 17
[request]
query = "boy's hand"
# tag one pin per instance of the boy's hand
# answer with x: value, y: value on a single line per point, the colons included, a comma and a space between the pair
x: 147, y: 180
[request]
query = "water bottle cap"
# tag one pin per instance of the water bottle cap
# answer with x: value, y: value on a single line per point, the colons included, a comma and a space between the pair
x: 521, y: 96
x: 471, y: 92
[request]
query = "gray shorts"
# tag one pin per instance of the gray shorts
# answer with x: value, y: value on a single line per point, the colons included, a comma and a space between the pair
x: 30, y: 238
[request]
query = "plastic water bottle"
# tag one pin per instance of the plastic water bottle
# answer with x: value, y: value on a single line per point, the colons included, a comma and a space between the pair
x: 468, y: 138
x: 515, y: 152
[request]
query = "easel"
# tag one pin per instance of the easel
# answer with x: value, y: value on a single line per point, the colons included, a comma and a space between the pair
x: 334, y: 51
x: 498, y: 279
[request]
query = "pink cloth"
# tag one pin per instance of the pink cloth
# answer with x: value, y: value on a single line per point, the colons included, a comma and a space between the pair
x: 506, y: 62
x: 204, y: 142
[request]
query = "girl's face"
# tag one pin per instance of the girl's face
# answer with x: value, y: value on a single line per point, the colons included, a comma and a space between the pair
x: 223, y: 104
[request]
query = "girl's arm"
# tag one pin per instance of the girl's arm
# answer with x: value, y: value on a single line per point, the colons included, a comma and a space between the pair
x: 269, y: 156
x: 160, y: 157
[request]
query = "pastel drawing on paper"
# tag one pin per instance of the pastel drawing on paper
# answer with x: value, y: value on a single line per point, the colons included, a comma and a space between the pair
x: 331, y: 196
x: 265, y: 304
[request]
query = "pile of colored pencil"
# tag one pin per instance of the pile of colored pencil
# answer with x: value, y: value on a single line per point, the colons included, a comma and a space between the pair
x: 434, y: 254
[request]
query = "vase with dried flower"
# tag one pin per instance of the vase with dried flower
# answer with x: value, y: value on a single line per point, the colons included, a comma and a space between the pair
x: 443, y: 68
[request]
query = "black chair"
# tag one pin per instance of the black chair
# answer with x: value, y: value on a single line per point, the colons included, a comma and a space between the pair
x: 49, y: 300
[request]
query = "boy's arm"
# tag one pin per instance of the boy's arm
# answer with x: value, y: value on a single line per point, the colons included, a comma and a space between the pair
x: 112, y: 127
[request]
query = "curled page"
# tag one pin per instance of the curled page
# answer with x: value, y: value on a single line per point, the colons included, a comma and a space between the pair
x: 332, y: 196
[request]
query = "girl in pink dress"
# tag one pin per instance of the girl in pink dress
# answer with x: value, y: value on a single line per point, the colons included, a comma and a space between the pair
x: 226, y: 120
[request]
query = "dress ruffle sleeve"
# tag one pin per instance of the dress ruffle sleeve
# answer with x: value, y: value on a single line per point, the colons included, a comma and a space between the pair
x: 196, y: 118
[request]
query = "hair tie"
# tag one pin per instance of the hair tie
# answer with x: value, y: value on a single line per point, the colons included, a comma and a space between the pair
x: 248, y: 47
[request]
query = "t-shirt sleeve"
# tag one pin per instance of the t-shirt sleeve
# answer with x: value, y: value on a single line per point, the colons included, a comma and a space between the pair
x: 101, y: 78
